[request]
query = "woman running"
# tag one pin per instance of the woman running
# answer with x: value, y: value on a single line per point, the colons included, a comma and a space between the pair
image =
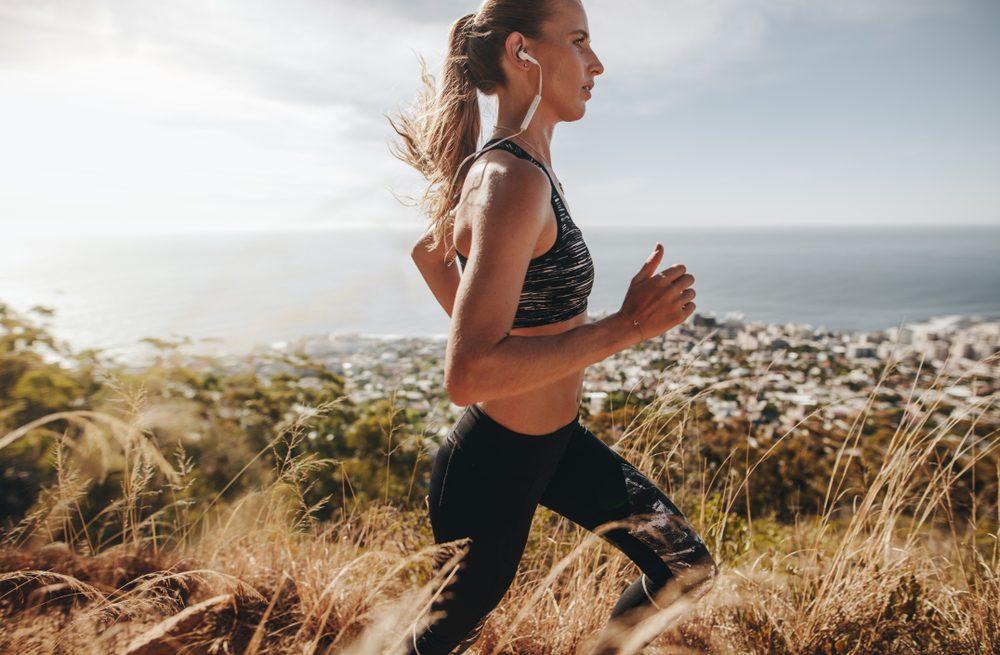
x: 520, y: 338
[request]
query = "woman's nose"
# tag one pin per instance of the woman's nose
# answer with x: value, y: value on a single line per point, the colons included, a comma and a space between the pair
x: 597, y: 67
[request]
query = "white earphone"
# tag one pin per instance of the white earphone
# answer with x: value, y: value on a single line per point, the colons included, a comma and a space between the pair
x: 538, y: 97
x: 521, y: 54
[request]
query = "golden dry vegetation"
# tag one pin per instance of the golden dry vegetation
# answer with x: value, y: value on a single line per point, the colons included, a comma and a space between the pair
x: 889, y: 567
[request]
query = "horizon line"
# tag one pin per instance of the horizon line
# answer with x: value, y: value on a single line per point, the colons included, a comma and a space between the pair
x: 265, y: 229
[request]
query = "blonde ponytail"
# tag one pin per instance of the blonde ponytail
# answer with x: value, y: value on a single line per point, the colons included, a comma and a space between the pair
x: 444, y: 128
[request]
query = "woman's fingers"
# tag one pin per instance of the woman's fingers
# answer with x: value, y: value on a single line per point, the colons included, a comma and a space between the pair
x: 650, y: 264
x: 678, y: 279
x: 660, y: 300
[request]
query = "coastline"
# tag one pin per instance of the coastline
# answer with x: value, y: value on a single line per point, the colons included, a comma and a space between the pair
x: 775, y: 374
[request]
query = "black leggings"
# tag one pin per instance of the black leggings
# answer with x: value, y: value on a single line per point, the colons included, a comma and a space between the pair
x: 488, y: 480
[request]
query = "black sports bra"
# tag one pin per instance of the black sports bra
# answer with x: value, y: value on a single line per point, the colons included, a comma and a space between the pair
x: 557, y: 282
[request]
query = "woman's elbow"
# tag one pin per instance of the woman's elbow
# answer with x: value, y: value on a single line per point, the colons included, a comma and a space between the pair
x: 418, y: 253
x: 458, y: 381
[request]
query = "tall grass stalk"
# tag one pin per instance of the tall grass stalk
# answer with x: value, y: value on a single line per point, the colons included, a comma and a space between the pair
x: 889, y: 568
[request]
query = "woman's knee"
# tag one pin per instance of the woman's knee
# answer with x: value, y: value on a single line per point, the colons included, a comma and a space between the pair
x: 703, y: 575
x: 483, y: 576
x: 690, y: 582
x: 675, y: 552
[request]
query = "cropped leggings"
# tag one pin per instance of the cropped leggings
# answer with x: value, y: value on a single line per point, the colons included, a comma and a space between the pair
x: 486, y: 483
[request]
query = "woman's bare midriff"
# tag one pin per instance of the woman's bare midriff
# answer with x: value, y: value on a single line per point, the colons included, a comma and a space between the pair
x: 544, y: 409
x: 540, y: 410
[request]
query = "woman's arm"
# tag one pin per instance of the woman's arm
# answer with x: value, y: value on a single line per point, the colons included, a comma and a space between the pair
x: 515, y: 364
x: 440, y: 274
x: 482, y: 361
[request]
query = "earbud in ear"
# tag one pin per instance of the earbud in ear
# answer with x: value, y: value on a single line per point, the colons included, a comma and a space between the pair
x: 522, y: 54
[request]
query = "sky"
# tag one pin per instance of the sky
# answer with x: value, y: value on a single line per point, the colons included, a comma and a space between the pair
x: 135, y: 116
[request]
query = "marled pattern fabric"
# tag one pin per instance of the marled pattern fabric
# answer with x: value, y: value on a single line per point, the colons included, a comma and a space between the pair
x: 557, y: 282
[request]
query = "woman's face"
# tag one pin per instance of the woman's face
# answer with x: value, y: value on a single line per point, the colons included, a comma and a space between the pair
x: 568, y: 62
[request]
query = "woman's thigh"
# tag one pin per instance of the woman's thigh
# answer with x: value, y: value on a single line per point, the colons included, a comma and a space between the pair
x: 485, y: 486
x: 471, y: 497
x: 593, y: 486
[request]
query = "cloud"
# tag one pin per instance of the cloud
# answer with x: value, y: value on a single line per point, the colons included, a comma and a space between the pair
x: 246, y: 111
x: 322, y: 53
x: 658, y: 41
x: 187, y: 112
x: 306, y: 52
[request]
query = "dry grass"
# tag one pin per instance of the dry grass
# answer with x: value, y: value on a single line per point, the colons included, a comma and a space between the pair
x: 891, y: 571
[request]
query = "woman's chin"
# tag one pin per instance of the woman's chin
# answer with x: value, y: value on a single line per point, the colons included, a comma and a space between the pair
x: 578, y: 112
x: 573, y: 113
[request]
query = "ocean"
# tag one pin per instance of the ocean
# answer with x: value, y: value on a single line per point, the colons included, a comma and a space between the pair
x: 257, y: 288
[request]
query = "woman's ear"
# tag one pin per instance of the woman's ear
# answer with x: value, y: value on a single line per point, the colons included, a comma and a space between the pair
x: 514, y: 47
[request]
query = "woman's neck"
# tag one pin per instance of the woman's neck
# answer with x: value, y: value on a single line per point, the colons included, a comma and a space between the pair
x: 542, y: 155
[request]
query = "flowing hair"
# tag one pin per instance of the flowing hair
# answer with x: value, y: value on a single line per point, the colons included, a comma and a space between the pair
x: 444, y: 127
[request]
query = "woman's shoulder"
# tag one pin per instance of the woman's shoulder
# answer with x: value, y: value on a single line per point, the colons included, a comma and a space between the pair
x: 500, y: 178
x: 505, y: 200
x: 499, y: 166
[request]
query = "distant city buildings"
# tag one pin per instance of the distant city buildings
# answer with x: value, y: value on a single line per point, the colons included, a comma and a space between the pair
x: 776, y: 374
